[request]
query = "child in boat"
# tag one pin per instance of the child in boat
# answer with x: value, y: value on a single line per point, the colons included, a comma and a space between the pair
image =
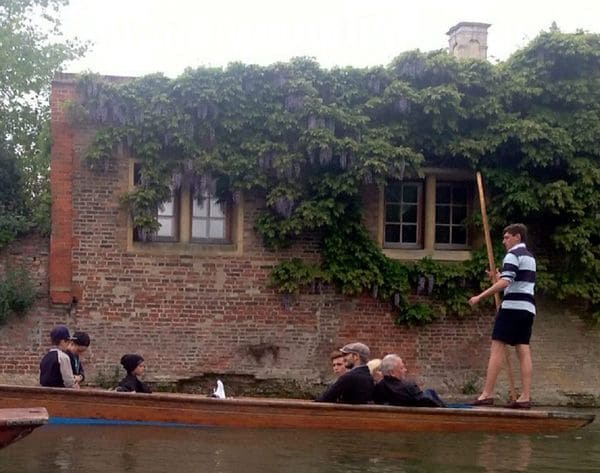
x: 134, y: 365
x: 80, y: 341
x: 55, y: 367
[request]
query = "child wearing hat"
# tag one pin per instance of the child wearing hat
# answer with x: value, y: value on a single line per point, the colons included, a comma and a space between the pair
x: 55, y: 367
x: 80, y: 341
x: 134, y: 365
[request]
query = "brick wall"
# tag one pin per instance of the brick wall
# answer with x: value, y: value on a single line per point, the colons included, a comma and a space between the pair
x: 193, y: 316
x: 252, y: 333
x: 24, y: 339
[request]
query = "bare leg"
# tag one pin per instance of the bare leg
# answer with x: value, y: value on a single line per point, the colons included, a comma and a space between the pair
x: 494, y: 365
x: 524, y: 354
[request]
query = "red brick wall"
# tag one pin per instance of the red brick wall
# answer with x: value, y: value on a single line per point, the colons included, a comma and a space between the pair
x: 61, y: 181
x: 23, y: 339
x: 195, y: 315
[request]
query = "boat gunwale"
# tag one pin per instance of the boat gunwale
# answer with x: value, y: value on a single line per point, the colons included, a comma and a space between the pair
x: 299, y: 404
x: 23, y: 416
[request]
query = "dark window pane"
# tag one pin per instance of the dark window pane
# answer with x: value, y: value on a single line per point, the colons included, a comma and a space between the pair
x: 410, y: 193
x: 442, y: 214
x: 409, y: 214
x: 442, y: 194
x: 458, y: 215
x: 392, y: 213
x: 409, y: 233
x: 459, y: 195
x: 442, y: 234
x: 392, y: 233
x: 393, y: 193
x: 459, y: 236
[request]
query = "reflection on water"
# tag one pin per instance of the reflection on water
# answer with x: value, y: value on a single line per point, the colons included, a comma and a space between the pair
x: 518, y: 460
x: 137, y: 449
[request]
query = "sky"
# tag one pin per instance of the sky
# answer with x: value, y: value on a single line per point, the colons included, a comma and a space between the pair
x: 137, y: 37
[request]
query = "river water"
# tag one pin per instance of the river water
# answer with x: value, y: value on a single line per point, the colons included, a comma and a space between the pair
x: 145, y: 449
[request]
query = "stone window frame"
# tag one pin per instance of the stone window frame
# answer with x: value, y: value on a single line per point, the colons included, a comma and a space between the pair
x: 184, y: 244
x: 453, y: 207
x: 174, y: 215
x: 427, y: 247
x: 390, y: 221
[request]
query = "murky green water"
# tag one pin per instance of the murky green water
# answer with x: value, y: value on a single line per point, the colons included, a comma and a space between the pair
x: 137, y: 449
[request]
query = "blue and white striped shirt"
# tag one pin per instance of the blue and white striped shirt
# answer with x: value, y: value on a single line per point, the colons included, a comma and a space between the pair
x: 518, y: 268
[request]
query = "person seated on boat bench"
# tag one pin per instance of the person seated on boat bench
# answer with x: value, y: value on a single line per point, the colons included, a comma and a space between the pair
x: 375, y: 369
x: 356, y: 385
x: 338, y: 363
x: 80, y: 341
x: 397, y: 390
x: 134, y: 365
x: 55, y: 367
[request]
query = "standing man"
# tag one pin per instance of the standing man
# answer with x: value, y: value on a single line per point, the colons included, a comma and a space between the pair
x: 356, y: 385
x: 55, y: 367
x: 515, y: 317
x: 80, y: 341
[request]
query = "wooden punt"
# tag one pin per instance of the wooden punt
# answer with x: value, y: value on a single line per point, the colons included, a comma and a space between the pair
x: 16, y: 423
x: 198, y: 410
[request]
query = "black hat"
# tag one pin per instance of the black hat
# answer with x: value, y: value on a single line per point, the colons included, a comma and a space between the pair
x: 81, y: 338
x: 59, y: 333
x: 131, y: 361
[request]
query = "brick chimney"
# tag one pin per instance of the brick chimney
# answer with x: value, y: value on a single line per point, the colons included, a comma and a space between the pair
x: 468, y: 40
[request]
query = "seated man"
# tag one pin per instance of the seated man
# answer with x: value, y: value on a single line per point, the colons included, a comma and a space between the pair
x: 356, y: 385
x: 396, y: 390
x: 338, y: 363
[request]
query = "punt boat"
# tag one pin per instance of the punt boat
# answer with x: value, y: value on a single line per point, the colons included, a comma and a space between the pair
x: 16, y: 423
x: 99, y: 406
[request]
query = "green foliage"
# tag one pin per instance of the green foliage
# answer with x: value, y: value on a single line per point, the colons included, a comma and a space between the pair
x: 108, y: 380
x: 32, y: 50
x: 290, y: 277
x: 11, y: 226
x: 544, y: 168
x: 17, y: 293
x: 471, y: 386
x: 308, y: 139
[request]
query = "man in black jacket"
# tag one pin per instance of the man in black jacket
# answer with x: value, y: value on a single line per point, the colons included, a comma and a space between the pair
x: 356, y: 385
x: 396, y: 390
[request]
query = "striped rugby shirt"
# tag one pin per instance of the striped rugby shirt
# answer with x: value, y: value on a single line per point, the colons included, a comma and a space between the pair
x: 518, y: 268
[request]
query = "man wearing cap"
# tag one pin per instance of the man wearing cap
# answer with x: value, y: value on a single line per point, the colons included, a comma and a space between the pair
x: 55, y: 367
x: 356, y: 385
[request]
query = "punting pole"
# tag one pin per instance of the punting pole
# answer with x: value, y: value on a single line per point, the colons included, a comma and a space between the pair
x: 492, y: 266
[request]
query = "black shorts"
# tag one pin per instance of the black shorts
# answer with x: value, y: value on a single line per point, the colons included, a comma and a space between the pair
x: 513, y: 327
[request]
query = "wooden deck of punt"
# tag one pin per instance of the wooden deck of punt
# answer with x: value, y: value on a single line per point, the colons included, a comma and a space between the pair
x: 19, y: 422
x: 198, y: 410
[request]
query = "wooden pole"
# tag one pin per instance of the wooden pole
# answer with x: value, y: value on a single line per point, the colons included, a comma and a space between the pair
x: 492, y: 266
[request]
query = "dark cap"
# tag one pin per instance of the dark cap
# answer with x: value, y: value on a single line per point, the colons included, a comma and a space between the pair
x: 131, y: 361
x: 360, y: 349
x: 59, y: 333
x: 81, y: 338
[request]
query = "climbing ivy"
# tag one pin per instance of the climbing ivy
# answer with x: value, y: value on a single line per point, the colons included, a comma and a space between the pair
x: 308, y: 140
x: 17, y: 293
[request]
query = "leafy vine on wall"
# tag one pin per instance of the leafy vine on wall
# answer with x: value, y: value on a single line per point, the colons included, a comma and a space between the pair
x: 307, y: 139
